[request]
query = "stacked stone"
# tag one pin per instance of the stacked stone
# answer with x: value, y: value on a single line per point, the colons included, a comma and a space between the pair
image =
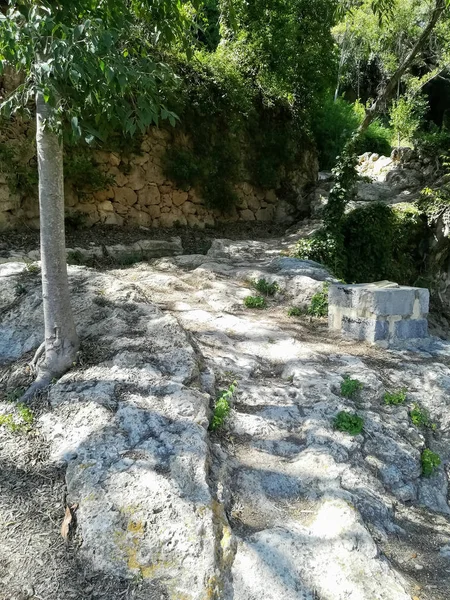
x: 383, y: 313
x: 141, y: 194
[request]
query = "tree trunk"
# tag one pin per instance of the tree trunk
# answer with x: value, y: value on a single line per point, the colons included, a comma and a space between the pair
x: 386, y: 93
x: 61, y: 340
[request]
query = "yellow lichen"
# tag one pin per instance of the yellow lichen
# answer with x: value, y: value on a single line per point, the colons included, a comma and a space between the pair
x: 136, y: 527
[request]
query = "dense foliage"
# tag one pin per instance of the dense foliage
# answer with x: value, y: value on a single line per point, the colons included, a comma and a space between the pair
x: 247, y: 102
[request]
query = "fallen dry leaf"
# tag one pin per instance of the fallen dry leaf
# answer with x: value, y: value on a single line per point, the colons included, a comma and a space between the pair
x: 67, y: 522
x: 65, y: 527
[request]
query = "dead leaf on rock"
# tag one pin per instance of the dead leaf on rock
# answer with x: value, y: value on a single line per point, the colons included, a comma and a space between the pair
x: 68, y: 520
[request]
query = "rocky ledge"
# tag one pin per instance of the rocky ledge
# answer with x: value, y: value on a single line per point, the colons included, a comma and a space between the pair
x: 278, y: 504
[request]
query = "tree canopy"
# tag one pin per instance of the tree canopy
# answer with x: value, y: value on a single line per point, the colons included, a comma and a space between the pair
x: 98, y: 64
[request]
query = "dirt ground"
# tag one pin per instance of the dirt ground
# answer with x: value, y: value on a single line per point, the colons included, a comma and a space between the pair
x: 195, y: 241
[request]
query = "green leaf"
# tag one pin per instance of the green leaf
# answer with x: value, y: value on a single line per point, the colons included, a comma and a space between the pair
x: 75, y: 127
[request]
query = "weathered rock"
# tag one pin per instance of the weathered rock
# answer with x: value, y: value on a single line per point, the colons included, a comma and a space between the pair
x: 125, y: 196
x: 137, y: 178
x: 247, y: 215
x: 179, y: 197
x: 150, y: 196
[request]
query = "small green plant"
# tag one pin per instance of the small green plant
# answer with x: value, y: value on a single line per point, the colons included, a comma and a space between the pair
x: 25, y: 414
x: 348, y: 422
x: 420, y: 417
x: 430, y: 462
x: 222, y: 407
x: 23, y: 425
x: 32, y: 268
x: 266, y: 288
x: 395, y: 398
x: 19, y: 290
x: 350, y: 387
x: 319, y: 303
x: 296, y: 311
x: 255, y: 302
x: 14, y: 395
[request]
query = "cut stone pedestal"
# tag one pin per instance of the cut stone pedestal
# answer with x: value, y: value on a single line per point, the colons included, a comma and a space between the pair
x: 384, y: 313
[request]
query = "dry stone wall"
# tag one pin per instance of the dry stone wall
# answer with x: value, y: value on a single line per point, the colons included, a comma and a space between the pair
x: 139, y: 194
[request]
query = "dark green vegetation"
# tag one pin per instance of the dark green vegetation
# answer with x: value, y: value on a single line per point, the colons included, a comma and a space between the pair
x: 255, y: 302
x: 295, y: 311
x: 395, y: 398
x: 319, y: 303
x: 222, y: 407
x: 350, y: 387
x: 353, y: 424
x: 420, y: 417
x: 349, y: 423
x: 266, y: 288
x: 377, y: 242
x: 247, y: 105
x: 318, y: 307
x: 430, y: 462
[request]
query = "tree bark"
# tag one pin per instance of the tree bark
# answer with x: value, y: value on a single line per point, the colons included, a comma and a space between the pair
x: 61, y: 339
x: 386, y: 93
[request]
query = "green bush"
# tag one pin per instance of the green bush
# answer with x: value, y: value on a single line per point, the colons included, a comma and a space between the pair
x: 234, y: 128
x: 296, y: 311
x: 379, y: 242
x: 333, y: 124
x: 266, y: 288
x: 350, y: 387
x: 376, y: 138
x: 320, y: 247
x: 255, y: 302
x: 222, y: 407
x: 430, y: 462
x: 348, y: 422
x: 319, y: 303
x: 420, y: 417
x: 395, y: 398
x: 82, y: 172
x: 383, y: 243
x: 368, y: 234
x: 433, y: 143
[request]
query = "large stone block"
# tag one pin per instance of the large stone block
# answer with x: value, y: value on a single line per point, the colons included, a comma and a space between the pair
x: 382, y: 312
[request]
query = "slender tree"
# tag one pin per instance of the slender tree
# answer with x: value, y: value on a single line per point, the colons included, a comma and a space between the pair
x: 439, y: 7
x: 89, y: 67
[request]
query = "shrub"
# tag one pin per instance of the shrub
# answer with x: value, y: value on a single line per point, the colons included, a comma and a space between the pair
x: 255, y: 302
x: 433, y: 143
x: 233, y: 128
x: 430, y: 462
x: 420, y: 417
x: 395, y: 398
x: 295, y: 311
x: 348, y: 422
x: 266, y: 288
x: 320, y: 247
x: 383, y: 243
x: 350, y: 387
x: 376, y: 138
x: 222, y: 407
x: 333, y: 124
x: 81, y: 171
x: 319, y: 303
